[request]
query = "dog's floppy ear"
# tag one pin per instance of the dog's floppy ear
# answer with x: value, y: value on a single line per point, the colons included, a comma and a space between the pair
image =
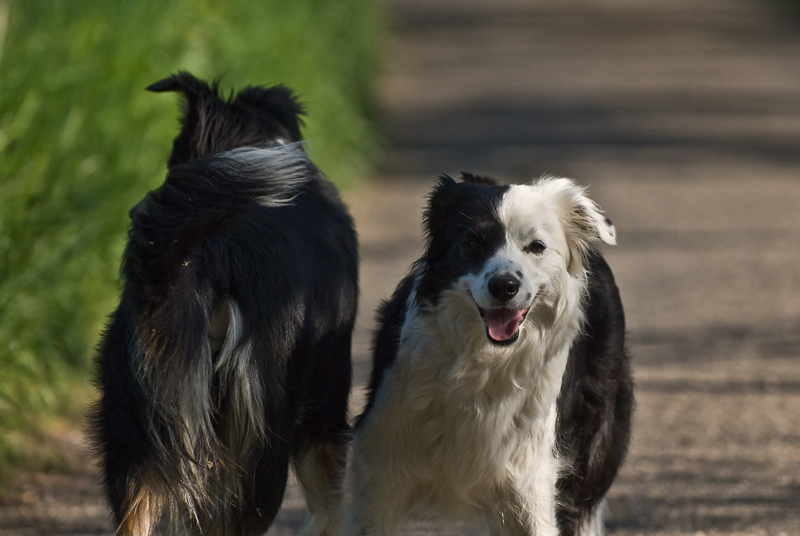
x: 277, y: 101
x: 444, y: 199
x: 211, y: 124
x: 197, y: 136
x: 583, y: 220
x: 184, y: 82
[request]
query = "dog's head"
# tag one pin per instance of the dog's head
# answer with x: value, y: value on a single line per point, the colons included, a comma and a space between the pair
x: 255, y: 116
x: 504, y: 250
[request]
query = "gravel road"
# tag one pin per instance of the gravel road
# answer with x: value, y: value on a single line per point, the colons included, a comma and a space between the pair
x: 683, y: 117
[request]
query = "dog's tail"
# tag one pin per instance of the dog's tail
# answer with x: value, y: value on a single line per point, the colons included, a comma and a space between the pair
x: 193, y: 359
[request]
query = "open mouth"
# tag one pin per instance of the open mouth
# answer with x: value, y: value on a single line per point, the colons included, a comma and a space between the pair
x: 502, y: 325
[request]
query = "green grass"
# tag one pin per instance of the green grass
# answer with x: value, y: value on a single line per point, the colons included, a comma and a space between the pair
x: 81, y: 141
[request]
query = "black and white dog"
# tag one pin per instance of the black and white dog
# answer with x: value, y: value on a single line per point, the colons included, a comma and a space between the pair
x: 229, y: 354
x: 501, y: 385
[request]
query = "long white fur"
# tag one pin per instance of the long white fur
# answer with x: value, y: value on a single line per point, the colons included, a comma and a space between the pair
x: 245, y: 430
x: 462, y: 427
x: 244, y: 426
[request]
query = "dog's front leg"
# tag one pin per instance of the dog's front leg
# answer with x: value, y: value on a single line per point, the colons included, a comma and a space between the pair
x: 379, y: 497
x: 525, y: 503
x: 373, y: 510
x: 523, y: 512
x: 509, y: 518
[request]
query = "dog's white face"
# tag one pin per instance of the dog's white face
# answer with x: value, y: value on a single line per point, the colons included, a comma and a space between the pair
x: 509, y: 248
x: 522, y: 268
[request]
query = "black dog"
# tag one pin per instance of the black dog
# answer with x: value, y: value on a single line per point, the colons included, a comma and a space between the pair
x: 501, y: 385
x: 229, y: 354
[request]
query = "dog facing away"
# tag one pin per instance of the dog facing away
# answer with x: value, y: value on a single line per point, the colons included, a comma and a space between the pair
x: 228, y: 357
x: 501, y: 386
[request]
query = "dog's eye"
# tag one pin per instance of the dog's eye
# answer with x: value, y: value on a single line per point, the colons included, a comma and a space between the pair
x: 535, y: 247
x: 473, y: 242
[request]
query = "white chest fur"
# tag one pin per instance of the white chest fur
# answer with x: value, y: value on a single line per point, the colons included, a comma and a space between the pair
x: 459, y: 423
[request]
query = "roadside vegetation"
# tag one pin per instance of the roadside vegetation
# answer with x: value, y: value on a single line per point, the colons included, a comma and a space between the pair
x: 81, y: 142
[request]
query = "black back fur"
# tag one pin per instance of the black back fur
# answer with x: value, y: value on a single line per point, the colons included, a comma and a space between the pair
x: 184, y: 422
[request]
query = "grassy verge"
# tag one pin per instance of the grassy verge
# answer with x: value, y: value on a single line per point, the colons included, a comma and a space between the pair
x: 81, y: 141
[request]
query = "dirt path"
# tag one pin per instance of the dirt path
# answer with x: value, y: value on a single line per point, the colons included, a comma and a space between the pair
x: 684, y: 117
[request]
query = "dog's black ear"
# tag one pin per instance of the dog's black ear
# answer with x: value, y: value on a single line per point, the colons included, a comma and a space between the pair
x: 255, y: 116
x: 278, y: 102
x: 445, y: 198
x: 472, y: 178
x: 186, y: 83
x: 198, y: 136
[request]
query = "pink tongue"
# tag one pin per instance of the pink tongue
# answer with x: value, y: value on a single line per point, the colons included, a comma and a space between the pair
x: 502, y: 323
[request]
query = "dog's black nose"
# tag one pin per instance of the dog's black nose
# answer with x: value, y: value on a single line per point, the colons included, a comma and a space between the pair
x: 503, y: 287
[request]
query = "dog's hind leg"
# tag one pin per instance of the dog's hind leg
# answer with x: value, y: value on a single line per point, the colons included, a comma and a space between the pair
x: 320, y: 470
x: 321, y: 446
x: 142, y: 510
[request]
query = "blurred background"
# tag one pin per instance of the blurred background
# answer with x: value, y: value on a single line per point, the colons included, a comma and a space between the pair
x: 682, y: 117
x: 81, y: 142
